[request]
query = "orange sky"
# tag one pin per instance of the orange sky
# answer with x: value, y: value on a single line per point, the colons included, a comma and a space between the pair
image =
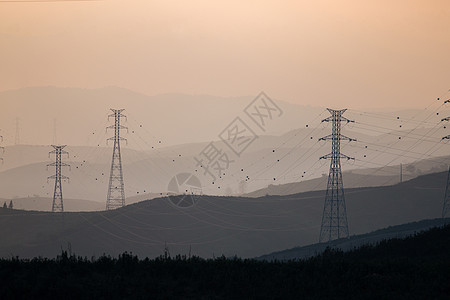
x: 331, y: 53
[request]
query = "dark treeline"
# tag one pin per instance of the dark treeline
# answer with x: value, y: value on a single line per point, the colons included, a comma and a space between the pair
x: 417, y: 267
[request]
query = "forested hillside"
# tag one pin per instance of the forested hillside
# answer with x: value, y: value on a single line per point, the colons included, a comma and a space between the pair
x: 412, y: 268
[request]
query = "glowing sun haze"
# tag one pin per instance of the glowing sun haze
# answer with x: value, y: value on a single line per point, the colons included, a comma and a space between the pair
x: 355, y: 53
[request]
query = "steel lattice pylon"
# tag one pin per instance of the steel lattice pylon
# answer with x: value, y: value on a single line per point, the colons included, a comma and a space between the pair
x: 58, y: 205
x: 334, y: 217
x: 2, y: 149
x: 116, y: 191
x: 446, y: 206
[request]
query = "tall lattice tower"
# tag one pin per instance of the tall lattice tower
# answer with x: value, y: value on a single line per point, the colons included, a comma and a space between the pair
x: 2, y: 149
x: 58, y: 205
x: 334, y: 218
x: 116, y: 190
x: 17, y: 137
x: 446, y: 206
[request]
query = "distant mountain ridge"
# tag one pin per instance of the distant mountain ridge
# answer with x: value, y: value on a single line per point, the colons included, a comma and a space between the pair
x: 370, y: 177
x: 150, y: 172
x: 35, y: 203
x: 169, y: 118
x: 166, y: 133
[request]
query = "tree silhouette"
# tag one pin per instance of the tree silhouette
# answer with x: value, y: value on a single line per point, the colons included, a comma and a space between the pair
x: 415, y: 267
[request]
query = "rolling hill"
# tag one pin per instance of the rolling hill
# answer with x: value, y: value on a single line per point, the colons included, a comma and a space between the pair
x: 357, y: 241
x: 167, y: 132
x: 246, y: 227
x: 263, y: 170
x: 35, y: 203
x: 356, y: 178
x: 45, y: 204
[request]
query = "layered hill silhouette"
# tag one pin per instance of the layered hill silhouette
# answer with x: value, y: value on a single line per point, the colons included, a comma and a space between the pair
x: 262, y: 171
x: 45, y: 204
x: 357, y: 241
x: 169, y: 118
x: 370, y: 177
x: 246, y: 227
x: 164, y: 140
x: 413, y: 267
x: 35, y: 203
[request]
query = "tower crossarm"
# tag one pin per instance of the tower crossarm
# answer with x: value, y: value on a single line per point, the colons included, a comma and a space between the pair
x: 445, y: 119
x: 117, y: 112
x: 341, y: 119
x: 58, y: 149
x: 346, y: 138
x: 340, y: 137
x: 330, y: 155
x: 54, y: 164
x: 336, y: 115
x: 328, y: 137
x: 55, y: 177
x: 118, y: 138
x: 117, y: 127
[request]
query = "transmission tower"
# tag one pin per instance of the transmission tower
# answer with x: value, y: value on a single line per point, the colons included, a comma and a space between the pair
x: 334, y: 217
x: 17, y: 137
x: 446, y: 206
x: 58, y: 205
x: 116, y: 192
x: 2, y: 149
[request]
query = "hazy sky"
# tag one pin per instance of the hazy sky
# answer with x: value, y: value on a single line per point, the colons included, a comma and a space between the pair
x: 346, y: 53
